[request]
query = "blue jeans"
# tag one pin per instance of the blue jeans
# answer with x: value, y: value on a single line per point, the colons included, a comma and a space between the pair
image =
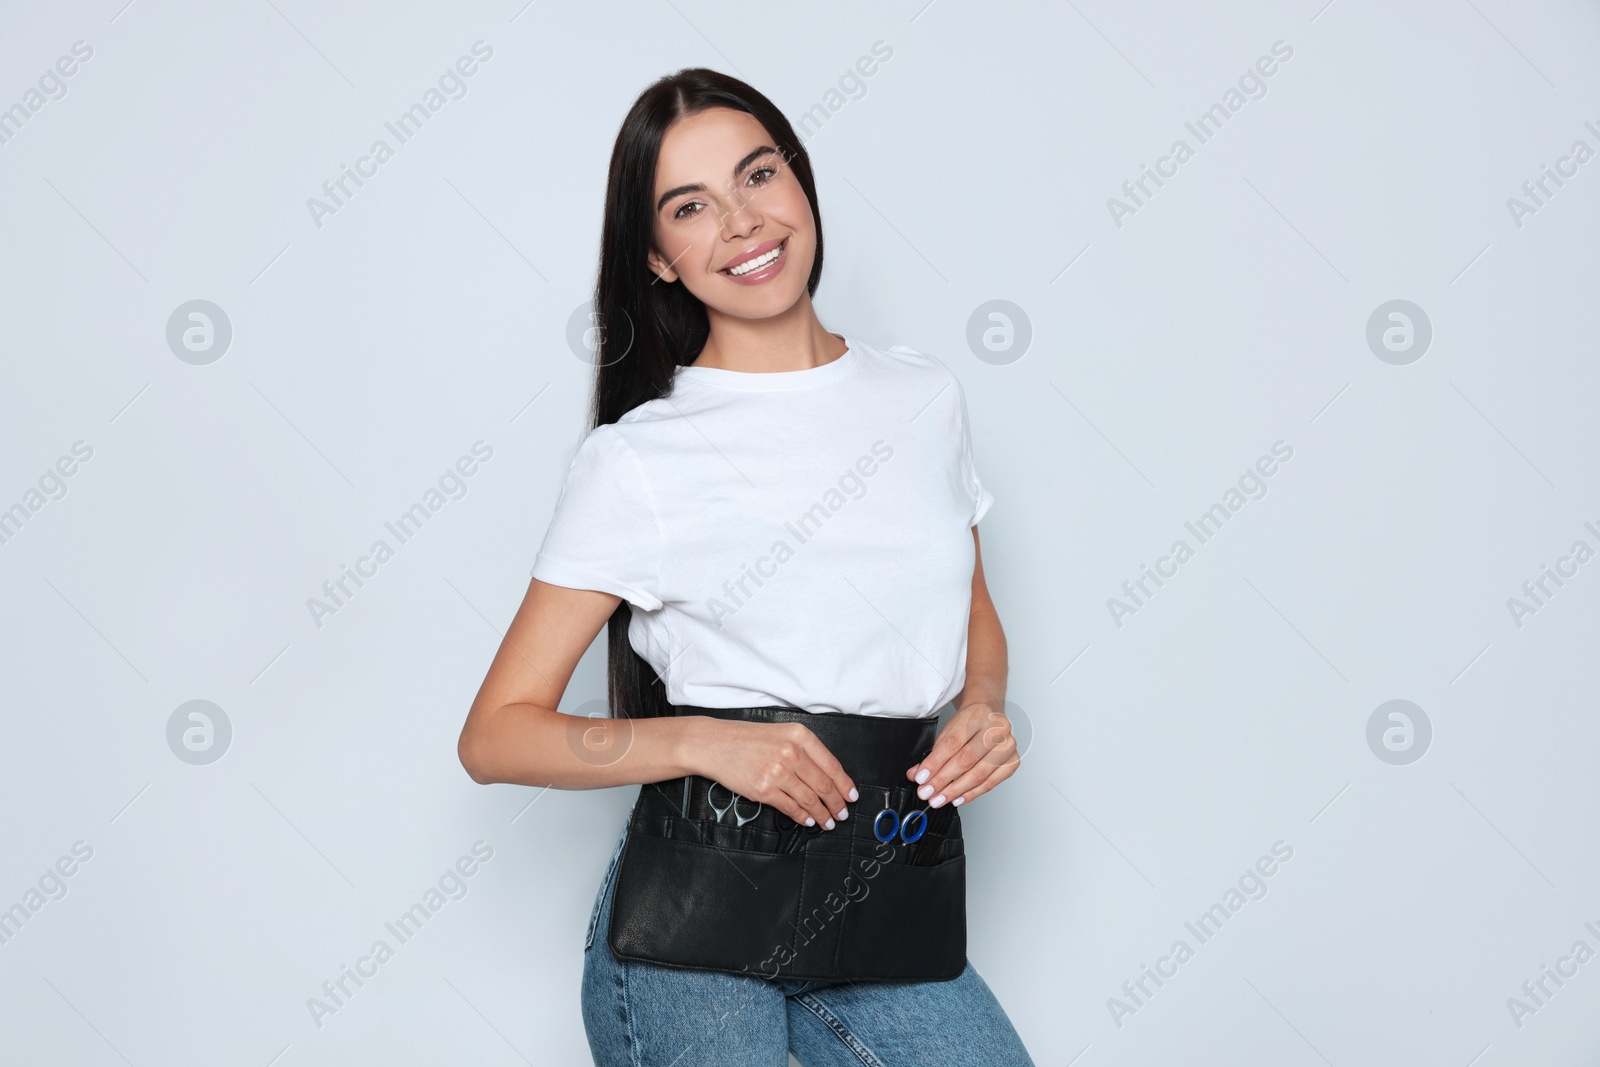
x: 645, y: 1015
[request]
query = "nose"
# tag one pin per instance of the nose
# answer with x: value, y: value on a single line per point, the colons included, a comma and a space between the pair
x: 740, y: 217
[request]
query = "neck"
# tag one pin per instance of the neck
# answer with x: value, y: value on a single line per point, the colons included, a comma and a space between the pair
x: 760, y: 346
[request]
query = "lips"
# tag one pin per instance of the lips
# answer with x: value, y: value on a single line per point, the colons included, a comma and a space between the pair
x: 755, y: 253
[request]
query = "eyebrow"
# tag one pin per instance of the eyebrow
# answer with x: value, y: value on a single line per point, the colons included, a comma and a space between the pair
x: 697, y: 187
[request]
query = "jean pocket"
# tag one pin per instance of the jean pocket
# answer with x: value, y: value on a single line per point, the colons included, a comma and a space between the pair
x: 605, y: 884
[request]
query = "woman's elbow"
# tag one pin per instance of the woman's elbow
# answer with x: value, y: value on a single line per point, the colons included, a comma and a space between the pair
x: 470, y: 749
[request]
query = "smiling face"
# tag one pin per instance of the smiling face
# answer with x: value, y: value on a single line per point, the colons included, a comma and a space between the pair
x: 731, y: 219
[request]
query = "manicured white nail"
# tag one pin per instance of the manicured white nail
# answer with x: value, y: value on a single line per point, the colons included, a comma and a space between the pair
x: 854, y: 796
x: 844, y: 813
x: 957, y: 802
x: 924, y: 791
x: 828, y: 825
x: 810, y: 821
x: 936, y: 801
x: 922, y: 776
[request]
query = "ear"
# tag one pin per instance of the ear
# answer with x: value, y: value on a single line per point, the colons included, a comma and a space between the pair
x: 662, y: 268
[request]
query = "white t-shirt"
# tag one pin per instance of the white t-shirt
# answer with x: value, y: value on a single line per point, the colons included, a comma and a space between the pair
x: 797, y: 538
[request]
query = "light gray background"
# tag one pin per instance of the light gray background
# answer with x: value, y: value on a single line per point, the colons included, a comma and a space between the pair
x: 1166, y: 355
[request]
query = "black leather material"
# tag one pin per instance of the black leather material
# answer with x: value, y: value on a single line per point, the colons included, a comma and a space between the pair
x: 775, y: 898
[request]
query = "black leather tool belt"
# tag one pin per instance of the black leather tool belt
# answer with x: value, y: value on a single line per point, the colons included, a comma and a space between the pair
x: 714, y: 881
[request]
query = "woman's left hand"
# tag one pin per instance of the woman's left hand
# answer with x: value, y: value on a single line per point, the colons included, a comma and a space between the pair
x: 974, y: 753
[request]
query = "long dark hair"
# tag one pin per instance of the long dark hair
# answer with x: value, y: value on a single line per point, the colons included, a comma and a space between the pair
x: 647, y: 327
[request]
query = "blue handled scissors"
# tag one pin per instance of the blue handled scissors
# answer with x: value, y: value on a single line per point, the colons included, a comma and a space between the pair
x: 732, y: 804
x: 899, y: 826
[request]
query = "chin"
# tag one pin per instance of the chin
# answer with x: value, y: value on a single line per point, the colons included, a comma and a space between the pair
x: 774, y: 302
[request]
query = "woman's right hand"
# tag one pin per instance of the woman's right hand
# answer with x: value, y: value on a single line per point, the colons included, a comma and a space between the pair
x: 781, y: 764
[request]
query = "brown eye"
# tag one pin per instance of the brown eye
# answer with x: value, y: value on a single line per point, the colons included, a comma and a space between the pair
x: 679, y: 214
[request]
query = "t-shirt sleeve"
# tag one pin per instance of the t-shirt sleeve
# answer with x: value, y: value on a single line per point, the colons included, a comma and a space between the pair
x: 980, y: 496
x: 604, y: 534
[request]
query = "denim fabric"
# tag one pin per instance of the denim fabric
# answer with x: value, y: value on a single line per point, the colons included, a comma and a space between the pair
x: 605, y: 888
x: 644, y: 1015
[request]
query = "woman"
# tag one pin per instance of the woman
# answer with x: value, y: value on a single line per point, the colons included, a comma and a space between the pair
x: 790, y: 518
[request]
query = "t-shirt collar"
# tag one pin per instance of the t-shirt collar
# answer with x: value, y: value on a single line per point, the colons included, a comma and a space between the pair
x: 759, y: 381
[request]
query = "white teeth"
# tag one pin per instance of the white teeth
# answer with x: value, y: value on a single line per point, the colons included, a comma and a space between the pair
x: 755, y: 264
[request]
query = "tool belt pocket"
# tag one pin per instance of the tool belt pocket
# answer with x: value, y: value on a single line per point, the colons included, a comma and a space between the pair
x: 706, y: 881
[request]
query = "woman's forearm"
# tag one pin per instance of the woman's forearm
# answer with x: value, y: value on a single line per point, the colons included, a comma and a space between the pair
x: 987, y: 663
x: 524, y: 744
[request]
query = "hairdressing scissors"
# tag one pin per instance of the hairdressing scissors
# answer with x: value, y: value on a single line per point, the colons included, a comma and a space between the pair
x: 732, y: 804
x: 900, y: 827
